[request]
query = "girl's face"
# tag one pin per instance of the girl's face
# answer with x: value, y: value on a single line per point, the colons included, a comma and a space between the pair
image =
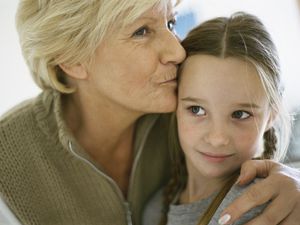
x: 222, y: 114
x: 135, y: 67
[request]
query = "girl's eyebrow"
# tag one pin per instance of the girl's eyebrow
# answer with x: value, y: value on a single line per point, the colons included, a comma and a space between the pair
x: 248, y: 105
x: 242, y: 105
x: 192, y: 99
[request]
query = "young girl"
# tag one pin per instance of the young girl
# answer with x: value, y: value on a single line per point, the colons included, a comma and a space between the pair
x: 229, y: 110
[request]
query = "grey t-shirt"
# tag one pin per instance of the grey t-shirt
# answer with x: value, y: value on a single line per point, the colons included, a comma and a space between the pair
x: 190, y: 214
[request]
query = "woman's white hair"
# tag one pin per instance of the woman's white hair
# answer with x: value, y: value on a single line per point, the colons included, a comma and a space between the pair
x: 54, y: 32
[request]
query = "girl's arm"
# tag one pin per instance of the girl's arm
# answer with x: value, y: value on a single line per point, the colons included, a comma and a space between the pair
x: 281, y: 185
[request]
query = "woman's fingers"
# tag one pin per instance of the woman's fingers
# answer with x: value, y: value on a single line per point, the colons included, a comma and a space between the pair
x: 294, y: 217
x: 275, y: 213
x: 281, y: 187
x: 255, y: 168
x: 252, y: 197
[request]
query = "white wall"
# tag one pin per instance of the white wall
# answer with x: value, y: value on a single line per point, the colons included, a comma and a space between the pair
x: 15, y: 82
x: 281, y: 17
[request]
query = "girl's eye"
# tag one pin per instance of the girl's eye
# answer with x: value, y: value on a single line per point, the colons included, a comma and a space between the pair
x: 171, y: 24
x: 240, y: 115
x: 141, y: 32
x: 197, y: 110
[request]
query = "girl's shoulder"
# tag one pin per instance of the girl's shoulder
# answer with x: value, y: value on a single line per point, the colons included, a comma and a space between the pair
x: 234, y: 193
x: 153, y: 210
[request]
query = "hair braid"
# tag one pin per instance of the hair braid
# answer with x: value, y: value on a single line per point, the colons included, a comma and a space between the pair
x: 270, y: 143
x: 178, y: 171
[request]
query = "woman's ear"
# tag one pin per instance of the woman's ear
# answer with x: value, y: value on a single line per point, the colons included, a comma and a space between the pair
x: 77, y: 71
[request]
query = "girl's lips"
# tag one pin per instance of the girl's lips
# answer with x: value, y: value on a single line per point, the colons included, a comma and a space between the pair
x: 214, y: 157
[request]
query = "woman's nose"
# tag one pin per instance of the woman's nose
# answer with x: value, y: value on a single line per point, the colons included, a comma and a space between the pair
x: 217, y: 136
x: 172, y: 50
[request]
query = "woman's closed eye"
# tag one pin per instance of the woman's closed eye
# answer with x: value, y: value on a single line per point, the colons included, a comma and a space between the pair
x: 241, y: 115
x: 141, y: 32
x: 144, y: 30
x: 197, y: 110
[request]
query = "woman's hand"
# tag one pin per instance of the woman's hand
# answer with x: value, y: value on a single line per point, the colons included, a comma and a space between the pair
x: 282, y: 186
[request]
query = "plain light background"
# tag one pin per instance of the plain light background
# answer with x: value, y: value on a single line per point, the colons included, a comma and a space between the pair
x: 282, y: 19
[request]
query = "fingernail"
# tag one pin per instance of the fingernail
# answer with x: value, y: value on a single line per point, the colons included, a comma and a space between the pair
x: 238, y: 180
x: 224, y: 219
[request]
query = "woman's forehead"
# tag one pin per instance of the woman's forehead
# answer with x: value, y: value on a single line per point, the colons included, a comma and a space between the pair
x: 158, y: 11
x: 159, y: 7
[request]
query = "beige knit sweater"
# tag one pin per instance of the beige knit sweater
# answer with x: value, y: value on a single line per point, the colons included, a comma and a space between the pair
x: 47, y: 178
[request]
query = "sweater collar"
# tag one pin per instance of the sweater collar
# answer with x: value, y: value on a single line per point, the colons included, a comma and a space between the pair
x: 48, y: 110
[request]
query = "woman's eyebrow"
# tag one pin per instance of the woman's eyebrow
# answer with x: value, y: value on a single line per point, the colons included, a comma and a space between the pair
x: 147, y: 18
x: 172, y: 14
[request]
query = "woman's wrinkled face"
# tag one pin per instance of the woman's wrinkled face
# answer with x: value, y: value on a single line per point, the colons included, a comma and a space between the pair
x: 135, y: 67
x: 222, y: 114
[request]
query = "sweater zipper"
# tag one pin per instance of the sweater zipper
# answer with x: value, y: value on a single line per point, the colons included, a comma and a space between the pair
x: 112, y: 182
x: 136, y: 160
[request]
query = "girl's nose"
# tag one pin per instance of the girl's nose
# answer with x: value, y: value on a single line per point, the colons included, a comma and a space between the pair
x: 217, y: 136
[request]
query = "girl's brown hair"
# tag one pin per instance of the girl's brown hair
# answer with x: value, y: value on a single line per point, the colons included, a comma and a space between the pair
x: 241, y: 36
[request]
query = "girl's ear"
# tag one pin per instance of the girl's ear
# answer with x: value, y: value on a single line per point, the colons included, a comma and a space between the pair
x: 77, y: 71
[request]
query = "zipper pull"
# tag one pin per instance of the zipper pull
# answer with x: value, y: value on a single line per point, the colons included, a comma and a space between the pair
x: 128, y: 213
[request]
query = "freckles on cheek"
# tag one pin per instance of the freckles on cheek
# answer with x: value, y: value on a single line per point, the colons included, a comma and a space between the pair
x: 244, y: 139
x: 248, y: 143
x: 186, y: 132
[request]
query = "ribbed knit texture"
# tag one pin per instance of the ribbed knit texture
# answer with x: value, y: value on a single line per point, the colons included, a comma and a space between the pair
x: 190, y: 213
x: 43, y: 182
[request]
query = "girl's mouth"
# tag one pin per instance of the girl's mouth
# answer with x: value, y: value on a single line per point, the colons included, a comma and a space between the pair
x: 215, y: 158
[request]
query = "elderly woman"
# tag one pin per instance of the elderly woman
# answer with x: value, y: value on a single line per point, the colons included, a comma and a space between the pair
x: 91, y: 148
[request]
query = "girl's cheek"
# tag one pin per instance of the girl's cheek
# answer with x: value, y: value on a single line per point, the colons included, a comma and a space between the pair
x: 188, y: 133
x: 248, y: 143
